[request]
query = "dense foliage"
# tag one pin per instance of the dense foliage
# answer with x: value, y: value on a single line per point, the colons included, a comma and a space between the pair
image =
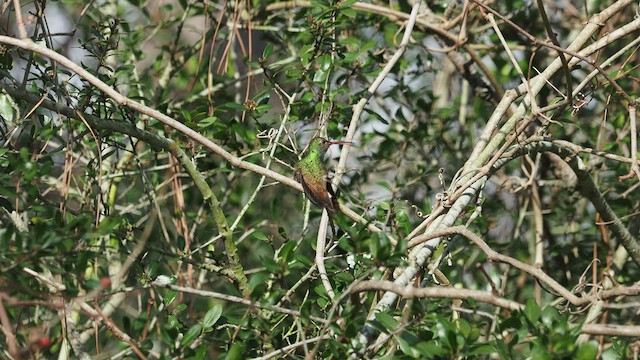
x: 489, y: 202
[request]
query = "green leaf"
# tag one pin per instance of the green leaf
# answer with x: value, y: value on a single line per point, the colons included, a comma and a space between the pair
x: 126, y: 68
x: 320, y: 76
x: 207, y: 122
x: 191, y: 335
x: 318, y: 4
x: 261, y: 109
x: 305, y: 53
x: 388, y: 322
x: 235, y: 353
x: 587, y: 351
x: 271, y: 265
x: 482, y: 349
x: 282, y: 232
x: 260, y: 235
x: 201, y: 353
x: 540, y: 352
x: 234, y: 105
x: 380, y: 246
x: 259, y: 280
x: 212, y: 316
x: 432, y: 348
x: 323, y: 303
x: 325, y: 62
x: 268, y: 49
x: 532, y: 311
x: 173, y: 321
x: 7, y: 108
x: 501, y: 348
x: 6, y: 60
x: 615, y: 352
x: 409, y: 348
x: 241, y: 130
x: 152, y: 269
x: 286, y: 253
x: 349, y: 12
x: 186, y: 114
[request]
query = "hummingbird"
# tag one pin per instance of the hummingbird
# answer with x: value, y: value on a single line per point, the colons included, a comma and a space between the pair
x: 311, y: 172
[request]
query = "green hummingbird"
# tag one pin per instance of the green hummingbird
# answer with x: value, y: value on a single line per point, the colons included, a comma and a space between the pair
x: 311, y: 172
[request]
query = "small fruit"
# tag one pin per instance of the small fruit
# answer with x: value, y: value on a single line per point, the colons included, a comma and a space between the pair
x: 44, y: 341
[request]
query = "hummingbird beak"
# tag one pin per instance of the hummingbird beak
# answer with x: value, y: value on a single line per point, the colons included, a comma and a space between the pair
x: 340, y: 143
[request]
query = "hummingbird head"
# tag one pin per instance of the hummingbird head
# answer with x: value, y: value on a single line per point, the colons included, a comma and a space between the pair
x: 320, y: 145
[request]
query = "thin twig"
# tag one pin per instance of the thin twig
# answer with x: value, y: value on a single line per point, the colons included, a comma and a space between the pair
x: 235, y: 299
x: 635, y: 169
x: 293, y: 346
x: 554, y: 39
x: 537, y: 42
x: 22, y: 31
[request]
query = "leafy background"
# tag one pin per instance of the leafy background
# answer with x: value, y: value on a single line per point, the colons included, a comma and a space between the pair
x: 128, y: 234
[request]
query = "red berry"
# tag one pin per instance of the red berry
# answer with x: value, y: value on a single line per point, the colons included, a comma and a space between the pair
x: 105, y: 282
x: 44, y: 341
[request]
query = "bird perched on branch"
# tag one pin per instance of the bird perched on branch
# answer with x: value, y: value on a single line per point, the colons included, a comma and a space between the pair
x: 311, y: 172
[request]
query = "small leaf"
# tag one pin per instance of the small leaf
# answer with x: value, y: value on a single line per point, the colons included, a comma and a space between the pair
x: 191, y: 335
x: 587, y: 351
x: 186, y: 114
x: 127, y: 68
x: 235, y: 353
x: 173, y: 321
x: 306, y: 51
x: 346, y: 4
x: 212, y: 316
x: 233, y: 105
x: 409, y: 348
x: 349, y: 12
x: 287, y: 251
x: 434, y: 349
x: 205, y: 123
x: 6, y: 107
x: 549, y: 317
x: 260, y: 235
x: 320, y: 76
x: 389, y: 323
x: 532, y: 311
x: 482, y: 349
x: 202, y: 351
x: 380, y: 246
x: 325, y: 62
x: 267, y: 51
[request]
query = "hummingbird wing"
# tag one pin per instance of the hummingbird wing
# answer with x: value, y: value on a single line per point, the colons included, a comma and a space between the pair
x: 333, y: 196
x: 317, y: 192
x: 297, y: 175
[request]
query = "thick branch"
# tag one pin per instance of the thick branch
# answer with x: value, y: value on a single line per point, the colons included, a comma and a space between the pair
x: 437, y: 292
x: 489, y: 298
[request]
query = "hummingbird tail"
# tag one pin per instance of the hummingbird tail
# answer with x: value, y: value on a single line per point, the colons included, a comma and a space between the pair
x: 332, y: 226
